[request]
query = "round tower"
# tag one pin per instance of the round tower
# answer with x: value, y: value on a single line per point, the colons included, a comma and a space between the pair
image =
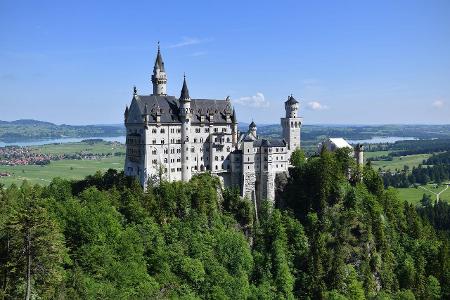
x: 185, y: 116
x: 159, y: 78
x: 291, y: 124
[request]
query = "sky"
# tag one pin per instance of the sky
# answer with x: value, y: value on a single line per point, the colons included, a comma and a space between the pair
x: 347, y: 62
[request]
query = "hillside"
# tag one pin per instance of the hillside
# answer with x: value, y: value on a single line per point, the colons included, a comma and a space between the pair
x: 24, y: 130
x: 327, y: 238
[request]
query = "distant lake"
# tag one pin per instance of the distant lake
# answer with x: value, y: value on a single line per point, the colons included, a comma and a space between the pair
x: 379, y: 139
x: 120, y: 139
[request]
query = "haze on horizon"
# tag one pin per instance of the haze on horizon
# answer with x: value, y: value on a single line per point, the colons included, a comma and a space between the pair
x: 352, y: 62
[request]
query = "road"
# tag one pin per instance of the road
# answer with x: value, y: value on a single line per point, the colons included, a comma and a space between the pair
x: 437, y: 194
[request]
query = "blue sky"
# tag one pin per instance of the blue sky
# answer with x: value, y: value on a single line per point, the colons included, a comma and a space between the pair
x: 348, y: 62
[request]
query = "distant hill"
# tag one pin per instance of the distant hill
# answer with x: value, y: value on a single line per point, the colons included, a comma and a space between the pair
x: 27, y: 129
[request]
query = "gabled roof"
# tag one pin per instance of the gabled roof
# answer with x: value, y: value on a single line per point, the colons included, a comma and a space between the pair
x: 168, y: 107
x: 340, y: 143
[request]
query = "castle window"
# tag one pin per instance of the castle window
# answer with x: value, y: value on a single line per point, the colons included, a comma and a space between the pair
x: 228, y: 149
x: 154, y: 141
x: 154, y: 152
x: 178, y: 130
x: 165, y: 160
x: 172, y: 130
x: 201, y: 157
x: 195, y: 140
x: 224, y: 130
x: 192, y: 149
x: 187, y: 157
x: 172, y: 170
x: 172, y: 160
x: 221, y: 158
x: 228, y: 139
x: 216, y: 129
x: 248, y: 158
x: 206, y: 129
x: 162, y: 130
x: 154, y: 161
x: 154, y: 130
x: 162, y: 142
x: 217, y: 167
x: 178, y: 150
x: 216, y: 158
x: 197, y: 130
x: 178, y: 159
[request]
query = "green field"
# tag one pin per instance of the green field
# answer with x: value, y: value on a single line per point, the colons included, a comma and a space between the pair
x: 68, y: 168
x: 414, y: 195
x: 399, y: 161
x: 79, y: 147
x: 375, y: 154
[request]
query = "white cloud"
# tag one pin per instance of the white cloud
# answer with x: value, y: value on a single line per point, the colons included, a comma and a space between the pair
x: 257, y: 100
x: 438, y: 104
x: 316, y: 105
x: 188, y: 41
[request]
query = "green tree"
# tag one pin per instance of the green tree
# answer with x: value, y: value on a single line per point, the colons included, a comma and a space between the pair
x: 298, y: 158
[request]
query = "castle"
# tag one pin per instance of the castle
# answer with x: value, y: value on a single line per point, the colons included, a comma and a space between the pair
x: 175, y: 138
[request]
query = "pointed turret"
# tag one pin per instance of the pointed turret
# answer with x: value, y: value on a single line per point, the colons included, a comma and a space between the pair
x: 159, y: 78
x: 184, y: 91
x: 125, y: 114
x: 159, y: 63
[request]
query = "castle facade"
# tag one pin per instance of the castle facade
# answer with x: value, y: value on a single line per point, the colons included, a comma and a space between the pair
x: 174, y: 138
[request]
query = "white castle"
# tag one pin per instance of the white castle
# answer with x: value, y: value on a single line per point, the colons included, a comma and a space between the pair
x: 175, y: 138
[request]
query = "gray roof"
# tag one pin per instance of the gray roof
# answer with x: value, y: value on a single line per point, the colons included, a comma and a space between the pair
x: 252, y: 125
x: 184, y: 90
x: 269, y: 143
x: 168, y: 107
x: 291, y: 100
x: 159, y: 61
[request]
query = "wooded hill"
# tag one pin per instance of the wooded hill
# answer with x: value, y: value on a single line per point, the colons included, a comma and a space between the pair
x: 327, y: 238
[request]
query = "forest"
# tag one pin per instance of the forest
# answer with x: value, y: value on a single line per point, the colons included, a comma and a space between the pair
x: 334, y: 232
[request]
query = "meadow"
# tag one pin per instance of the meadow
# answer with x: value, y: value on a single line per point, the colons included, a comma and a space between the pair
x: 414, y: 195
x: 67, y: 168
x: 398, y: 162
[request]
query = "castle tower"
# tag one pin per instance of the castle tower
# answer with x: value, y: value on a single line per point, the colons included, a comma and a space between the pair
x: 359, y: 155
x: 234, y: 128
x: 291, y: 124
x: 185, y: 116
x: 159, y: 78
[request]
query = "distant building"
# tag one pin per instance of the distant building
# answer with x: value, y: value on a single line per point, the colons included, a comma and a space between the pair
x: 332, y: 144
x: 175, y: 138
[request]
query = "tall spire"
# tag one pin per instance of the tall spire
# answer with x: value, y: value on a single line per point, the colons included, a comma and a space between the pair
x: 184, y: 90
x: 159, y: 78
x: 159, y: 63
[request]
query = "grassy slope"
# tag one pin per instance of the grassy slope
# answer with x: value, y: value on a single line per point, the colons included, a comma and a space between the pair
x: 399, y: 162
x: 414, y: 195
